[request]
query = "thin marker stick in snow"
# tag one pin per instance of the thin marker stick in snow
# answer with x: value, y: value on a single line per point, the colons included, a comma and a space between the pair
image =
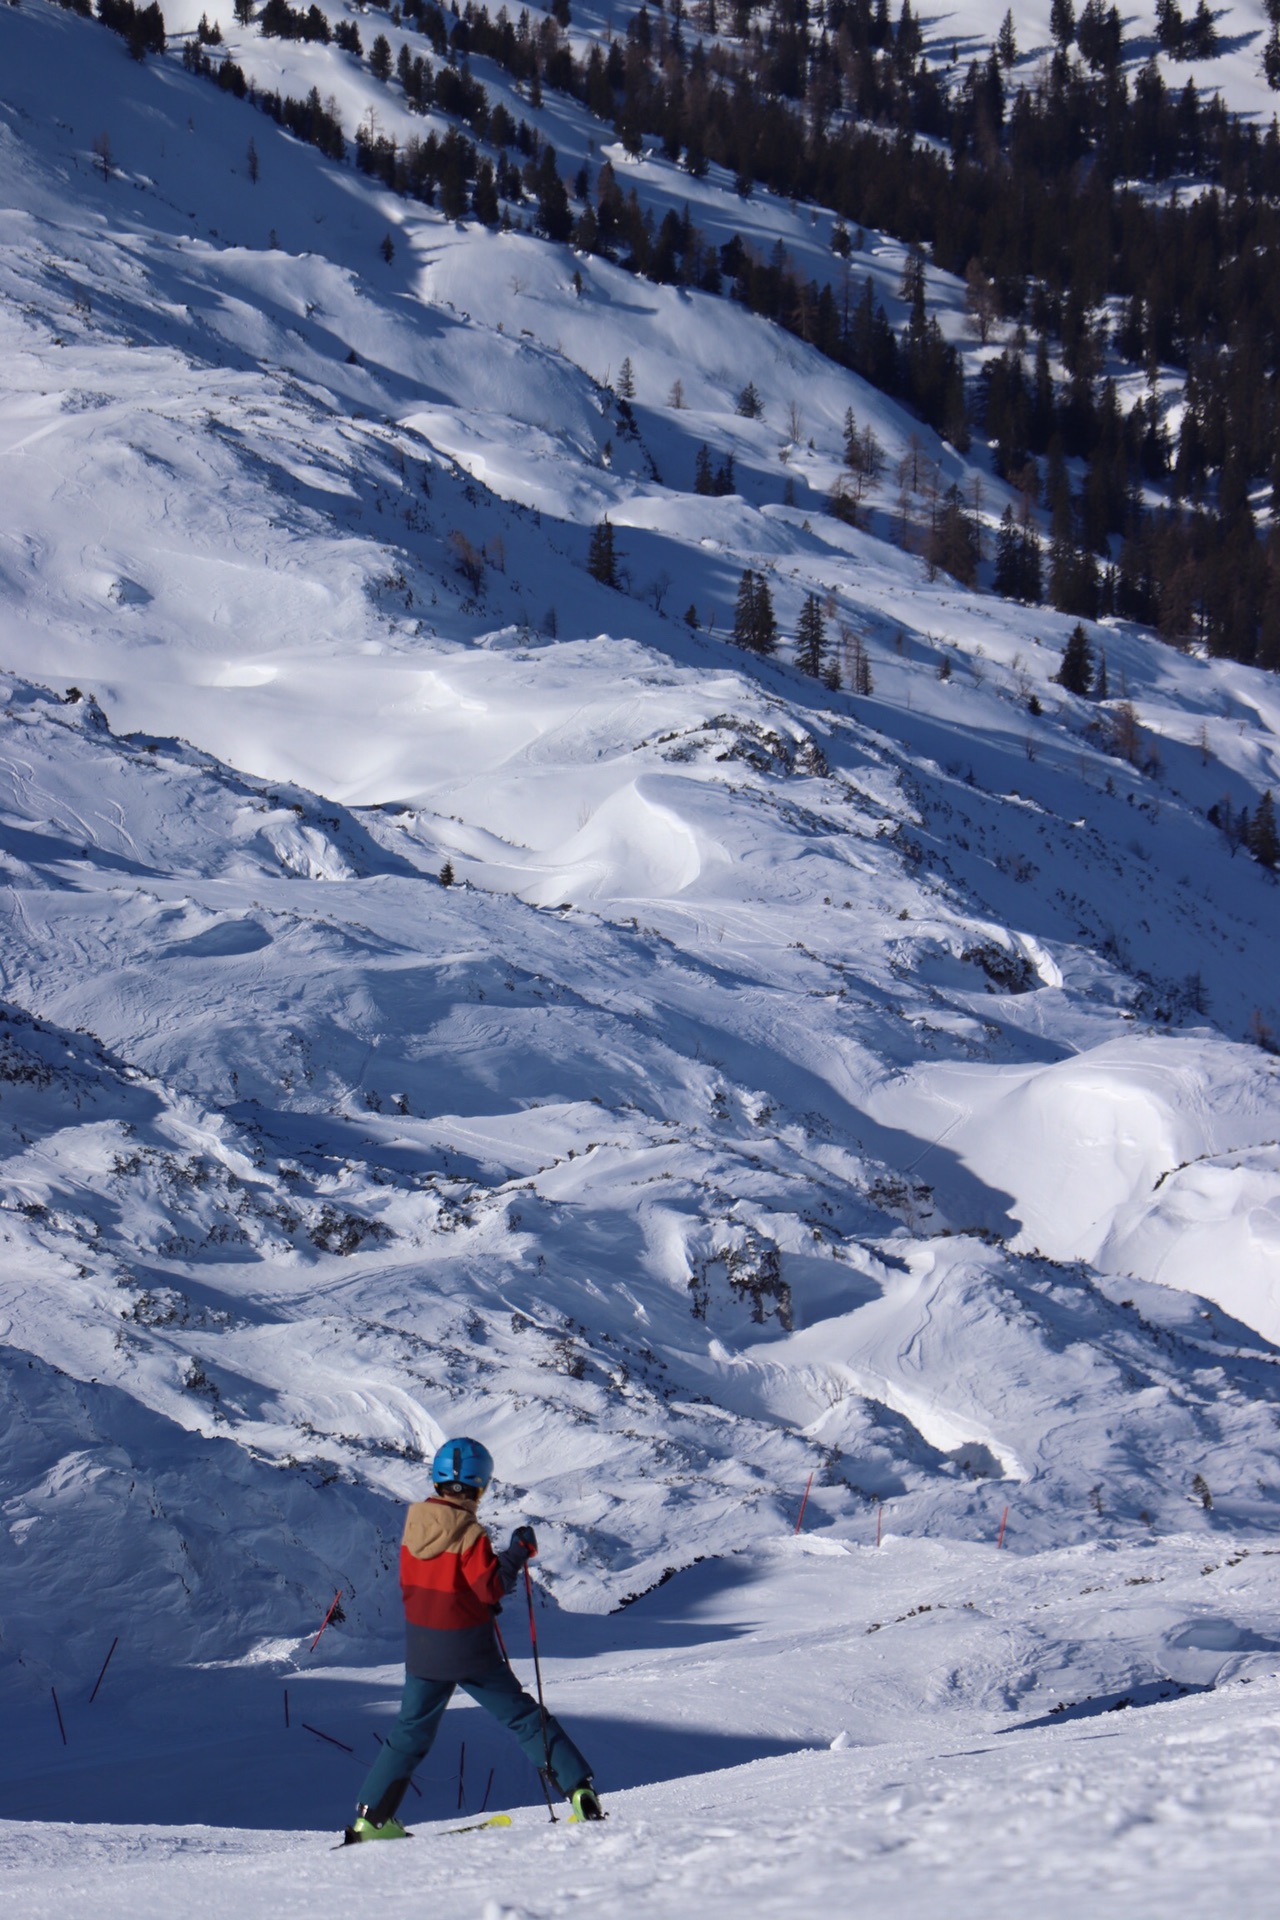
x: 542, y: 1705
x: 58, y: 1710
x: 804, y: 1503
x: 462, y: 1771
x: 286, y: 1706
x: 106, y: 1663
x: 1003, y: 1517
x: 487, y: 1785
x: 328, y: 1617
x: 326, y: 1736
x: 879, y: 1521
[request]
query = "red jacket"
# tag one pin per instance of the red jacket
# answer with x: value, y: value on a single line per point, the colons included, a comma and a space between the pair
x: 452, y: 1583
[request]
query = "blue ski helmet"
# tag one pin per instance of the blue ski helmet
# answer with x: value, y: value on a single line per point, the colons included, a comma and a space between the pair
x: 463, y: 1464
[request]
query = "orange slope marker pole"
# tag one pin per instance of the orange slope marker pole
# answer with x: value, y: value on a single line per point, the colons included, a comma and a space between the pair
x: 804, y: 1503
x: 324, y: 1623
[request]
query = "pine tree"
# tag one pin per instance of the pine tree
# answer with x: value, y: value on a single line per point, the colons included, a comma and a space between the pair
x: 1170, y: 26
x: 380, y: 58
x: 484, y: 195
x: 626, y: 387
x: 1032, y: 570
x: 1076, y: 671
x: 749, y: 403
x: 754, y: 626
x: 952, y: 543
x: 703, y: 478
x: 811, y: 637
x: 908, y: 41
x: 1203, y: 35
x: 743, y: 609
x: 602, y: 558
x: 554, y: 214
x: 1008, y: 573
x: 766, y: 627
x: 1271, y: 60
x: 1062, y: 22
x: 1018, y: 571
x: 453, y: 177
x: 1264, y: 840
x: 1007, y: 43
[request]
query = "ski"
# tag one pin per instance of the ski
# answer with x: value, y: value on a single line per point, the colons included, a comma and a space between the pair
x: 475, y: 1826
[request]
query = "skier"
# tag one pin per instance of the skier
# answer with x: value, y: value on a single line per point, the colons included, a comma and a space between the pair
x: 453, y: 1583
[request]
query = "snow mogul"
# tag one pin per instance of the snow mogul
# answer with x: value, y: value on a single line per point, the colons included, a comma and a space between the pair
x: 453, y: 1585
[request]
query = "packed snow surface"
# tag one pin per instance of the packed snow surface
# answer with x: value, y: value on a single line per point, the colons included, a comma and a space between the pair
x: 792, y: 1084
x: 807, y: 1727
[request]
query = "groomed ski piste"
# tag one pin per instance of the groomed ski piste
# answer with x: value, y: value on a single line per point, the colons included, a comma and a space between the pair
x: 874, y: 1094
x: 810, y: 1726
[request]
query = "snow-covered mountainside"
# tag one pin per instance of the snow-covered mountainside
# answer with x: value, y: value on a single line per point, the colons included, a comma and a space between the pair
x: 878, y: 1086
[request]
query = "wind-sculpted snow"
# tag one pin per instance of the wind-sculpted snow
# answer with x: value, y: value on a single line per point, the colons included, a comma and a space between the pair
x: 354, y: 1158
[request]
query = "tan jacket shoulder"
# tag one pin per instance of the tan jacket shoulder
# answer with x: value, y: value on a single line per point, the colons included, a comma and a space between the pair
x: 433, y: 1527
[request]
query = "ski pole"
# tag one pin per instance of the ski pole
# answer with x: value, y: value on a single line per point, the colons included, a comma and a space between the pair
x: 542, y: 1705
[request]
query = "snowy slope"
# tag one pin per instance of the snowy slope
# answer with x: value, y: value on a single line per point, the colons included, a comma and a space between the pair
x: 794, y: 1083
x: 408, y: 1125
x: 929, y: 1728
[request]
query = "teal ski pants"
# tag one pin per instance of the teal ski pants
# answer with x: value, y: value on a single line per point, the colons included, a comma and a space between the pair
x: 422, y: 1706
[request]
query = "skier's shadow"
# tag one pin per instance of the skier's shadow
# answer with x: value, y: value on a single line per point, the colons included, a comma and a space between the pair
x: 686, y: 1608
x: 581, y: 1664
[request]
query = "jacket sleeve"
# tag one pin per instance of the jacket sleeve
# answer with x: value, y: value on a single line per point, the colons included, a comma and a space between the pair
x: 485, y: 1572
x: 510, y: 1563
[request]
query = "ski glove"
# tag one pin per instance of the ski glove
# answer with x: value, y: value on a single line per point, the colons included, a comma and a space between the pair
x: 524, y: 1540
